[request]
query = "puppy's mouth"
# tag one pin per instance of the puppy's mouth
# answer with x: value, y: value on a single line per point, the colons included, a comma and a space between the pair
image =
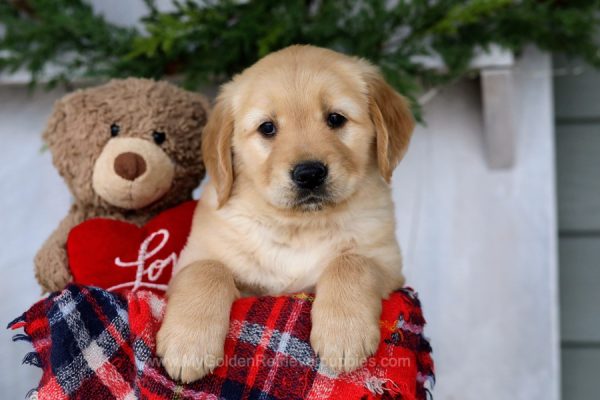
x: 312, y: 200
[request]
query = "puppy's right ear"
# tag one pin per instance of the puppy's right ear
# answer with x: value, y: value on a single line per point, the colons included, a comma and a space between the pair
x: 216, y: 148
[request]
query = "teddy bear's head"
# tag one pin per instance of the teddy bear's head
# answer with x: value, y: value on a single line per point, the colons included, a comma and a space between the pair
x: 129, y: 144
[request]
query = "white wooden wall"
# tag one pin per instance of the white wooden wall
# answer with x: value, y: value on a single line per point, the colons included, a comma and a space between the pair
x: 32, y: 201
x: 479, y: 244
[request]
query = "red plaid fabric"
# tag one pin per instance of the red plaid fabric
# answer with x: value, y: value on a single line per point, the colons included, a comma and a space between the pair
x: 93, y: 344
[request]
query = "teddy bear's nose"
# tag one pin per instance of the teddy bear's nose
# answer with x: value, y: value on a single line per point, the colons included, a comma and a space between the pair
x: 130, y: 166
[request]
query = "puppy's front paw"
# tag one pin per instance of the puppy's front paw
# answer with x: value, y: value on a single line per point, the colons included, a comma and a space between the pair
x: 191, y: 350
x: 343, y: 339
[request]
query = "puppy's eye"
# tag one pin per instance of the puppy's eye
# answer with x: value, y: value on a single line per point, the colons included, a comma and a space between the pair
x: 335, y: 120
x: 267, y: 129
x: 159, y: 137
x: 114, y: 130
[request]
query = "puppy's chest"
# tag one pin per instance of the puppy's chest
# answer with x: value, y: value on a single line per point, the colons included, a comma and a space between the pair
x: 289, y: 261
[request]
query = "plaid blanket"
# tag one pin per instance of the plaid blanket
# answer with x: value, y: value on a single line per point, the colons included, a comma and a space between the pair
x: 94, y: 344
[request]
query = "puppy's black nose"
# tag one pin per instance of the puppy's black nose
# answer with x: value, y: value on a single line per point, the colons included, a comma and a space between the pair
x: 309, y: 174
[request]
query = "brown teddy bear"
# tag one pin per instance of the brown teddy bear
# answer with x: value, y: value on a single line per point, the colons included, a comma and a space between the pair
x: 128, y: 150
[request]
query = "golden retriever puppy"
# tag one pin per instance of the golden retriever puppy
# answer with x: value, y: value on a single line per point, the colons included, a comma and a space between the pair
x: 300, y: 149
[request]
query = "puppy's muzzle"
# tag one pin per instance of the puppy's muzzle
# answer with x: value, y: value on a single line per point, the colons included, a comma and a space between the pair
x: 309, y: 175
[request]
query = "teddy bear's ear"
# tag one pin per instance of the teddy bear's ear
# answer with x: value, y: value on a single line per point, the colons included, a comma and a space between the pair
x: 201, y: 108
x: 216, y: 147
x: 55, y: 123
x: 56, y: 135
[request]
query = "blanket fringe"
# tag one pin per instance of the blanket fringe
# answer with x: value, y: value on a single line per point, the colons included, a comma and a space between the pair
x: 32, y: 358
x: 21, y: 337
x: 17, y: 322
x: 429, y: 394
x: 378, y: 385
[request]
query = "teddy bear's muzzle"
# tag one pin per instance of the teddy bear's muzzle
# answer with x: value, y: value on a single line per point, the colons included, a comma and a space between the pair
x: 132, y: 173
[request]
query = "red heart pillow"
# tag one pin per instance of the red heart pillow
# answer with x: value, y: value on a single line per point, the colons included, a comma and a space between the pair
x: 117, y: 255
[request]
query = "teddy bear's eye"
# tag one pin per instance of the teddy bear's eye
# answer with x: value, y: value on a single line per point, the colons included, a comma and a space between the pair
x: 159, y: 137
x: 114, y: 130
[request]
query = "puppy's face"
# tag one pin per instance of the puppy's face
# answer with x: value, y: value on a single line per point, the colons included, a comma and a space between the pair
x: 305, y: 128
x: 302, y: 138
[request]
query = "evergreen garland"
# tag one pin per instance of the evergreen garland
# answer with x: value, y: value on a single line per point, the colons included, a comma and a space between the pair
x: 208, y: 41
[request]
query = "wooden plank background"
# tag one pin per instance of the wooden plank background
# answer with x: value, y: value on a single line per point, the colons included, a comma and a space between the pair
x: 580, y: 297
x: 580, y: 366
x: 578, y: 159
x: 577, y: 91
x: 577, y: 105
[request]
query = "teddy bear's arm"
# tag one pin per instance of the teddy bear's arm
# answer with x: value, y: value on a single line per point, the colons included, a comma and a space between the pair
x: 51, y: 263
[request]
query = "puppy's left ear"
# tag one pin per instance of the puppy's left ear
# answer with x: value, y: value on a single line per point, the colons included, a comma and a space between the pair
x: 393, y: 120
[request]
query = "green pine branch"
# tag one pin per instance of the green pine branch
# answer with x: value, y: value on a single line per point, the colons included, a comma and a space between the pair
x: 209, y: 41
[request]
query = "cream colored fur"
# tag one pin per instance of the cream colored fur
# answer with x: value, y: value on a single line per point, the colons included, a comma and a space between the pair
x: 247, y: 224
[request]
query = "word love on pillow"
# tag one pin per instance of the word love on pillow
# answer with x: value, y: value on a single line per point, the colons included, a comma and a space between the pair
x: 116, y: 255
